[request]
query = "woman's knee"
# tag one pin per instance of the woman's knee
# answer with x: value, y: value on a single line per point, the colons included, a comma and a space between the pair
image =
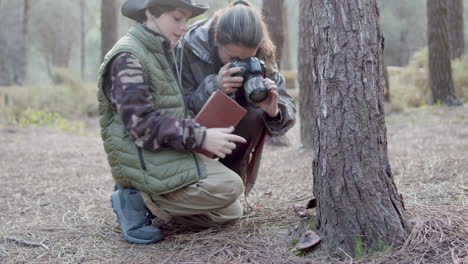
x: 233, y: 187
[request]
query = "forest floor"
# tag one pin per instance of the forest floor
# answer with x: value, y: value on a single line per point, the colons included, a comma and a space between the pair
x: 56, y: 185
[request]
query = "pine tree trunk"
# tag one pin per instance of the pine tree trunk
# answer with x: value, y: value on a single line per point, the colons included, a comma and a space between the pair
x: 272, y: 12
x: 306, y: 84
x: 440, y: 71
x: 109, y: 22
x: 386, y: 80
x: 359, y: 208
x: 456, y: 28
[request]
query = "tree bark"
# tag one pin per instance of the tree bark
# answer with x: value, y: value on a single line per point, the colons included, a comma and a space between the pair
x: 456, y: 28
x: 109, y: 22
x: 273, y: 16
x: 308, y: 124
x: 359, y: 208
x: 440, y: 71
x: 386, y: 80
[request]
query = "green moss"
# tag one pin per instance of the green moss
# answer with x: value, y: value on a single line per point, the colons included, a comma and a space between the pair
x: 381, y: 247
x: 312, y: 224
x: 301, y: 254
x: 359, y: 250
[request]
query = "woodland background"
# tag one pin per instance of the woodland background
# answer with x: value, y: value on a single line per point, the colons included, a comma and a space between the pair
x: 56, y: 182
x: 46, y: 43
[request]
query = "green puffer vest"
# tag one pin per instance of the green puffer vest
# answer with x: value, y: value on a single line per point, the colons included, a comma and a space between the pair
x: 155, y: 172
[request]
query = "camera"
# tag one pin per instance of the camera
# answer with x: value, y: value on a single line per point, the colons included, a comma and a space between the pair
x: 252, y: 70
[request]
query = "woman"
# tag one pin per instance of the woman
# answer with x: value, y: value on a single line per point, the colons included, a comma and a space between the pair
x: 147, y: 136
x: 237, y: 31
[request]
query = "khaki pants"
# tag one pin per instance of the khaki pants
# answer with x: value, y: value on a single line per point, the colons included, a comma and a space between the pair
x: 208, y: 202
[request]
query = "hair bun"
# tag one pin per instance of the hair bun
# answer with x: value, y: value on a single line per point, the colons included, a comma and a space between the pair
x: 240, y: 2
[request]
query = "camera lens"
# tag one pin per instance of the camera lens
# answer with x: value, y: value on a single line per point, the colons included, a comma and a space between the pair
x: 255, y: 90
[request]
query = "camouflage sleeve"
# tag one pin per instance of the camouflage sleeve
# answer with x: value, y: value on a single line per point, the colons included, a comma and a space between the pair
x: 131, y: 95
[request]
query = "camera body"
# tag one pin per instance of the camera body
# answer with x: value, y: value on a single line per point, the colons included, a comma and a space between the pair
x: 253, y: 70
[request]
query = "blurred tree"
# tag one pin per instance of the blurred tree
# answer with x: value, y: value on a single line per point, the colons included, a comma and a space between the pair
x: 359, y: 208
x: 272, y: 12
x: 215, y: 5
x: 285, y: 62
x: 306, y: 85
x: 23, y: 55
x: 52, y: 29
x: 440, y: 69
x: 109, y: 25
x: 82, y: 38
x: 456, y: 28
x: 13, y: 40
x: 404, y: 25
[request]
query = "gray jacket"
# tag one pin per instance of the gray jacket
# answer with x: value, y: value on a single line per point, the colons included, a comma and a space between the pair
x: 201, y: 65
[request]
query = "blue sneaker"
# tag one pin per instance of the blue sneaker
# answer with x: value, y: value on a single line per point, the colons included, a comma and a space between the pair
x: 134, y: 217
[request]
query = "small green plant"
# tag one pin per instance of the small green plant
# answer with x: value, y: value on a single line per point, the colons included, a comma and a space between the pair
x: 293, y: 243
x: 7, y: 116
x: 49, y: 119
x: 313, y: 224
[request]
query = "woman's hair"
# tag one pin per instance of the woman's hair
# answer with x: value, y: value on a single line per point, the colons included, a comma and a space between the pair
x: 240, y: 24
x: 156, y: 11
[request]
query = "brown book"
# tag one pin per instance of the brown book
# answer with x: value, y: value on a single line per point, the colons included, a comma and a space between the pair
x: 219, y: 111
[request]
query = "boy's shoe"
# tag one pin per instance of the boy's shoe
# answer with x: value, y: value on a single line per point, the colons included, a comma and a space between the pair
x: 134, y: 217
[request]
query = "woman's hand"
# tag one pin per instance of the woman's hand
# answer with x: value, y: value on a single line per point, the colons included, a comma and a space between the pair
x: 270, y: 105
x: 220, y: 141
x: 226, y: 82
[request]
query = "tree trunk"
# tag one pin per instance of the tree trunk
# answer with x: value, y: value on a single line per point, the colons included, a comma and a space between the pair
x: 359, y: 208
x: 404, y: 49
x: 440, y: 71
x: 306, y: 85
x: 61, y: 57
x: 456, y: 28
x: 285, y: 63
x: 386, y: 81
x: 82, y: 38
x: 273, y: 16
x: 13, y: 38
x: 109, y: 22
x: 20, y: 74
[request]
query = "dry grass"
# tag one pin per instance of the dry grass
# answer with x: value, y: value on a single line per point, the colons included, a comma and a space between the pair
x: 56, y: 187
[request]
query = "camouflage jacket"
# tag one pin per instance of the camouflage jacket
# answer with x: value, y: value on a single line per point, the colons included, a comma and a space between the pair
x: 131, y: 94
